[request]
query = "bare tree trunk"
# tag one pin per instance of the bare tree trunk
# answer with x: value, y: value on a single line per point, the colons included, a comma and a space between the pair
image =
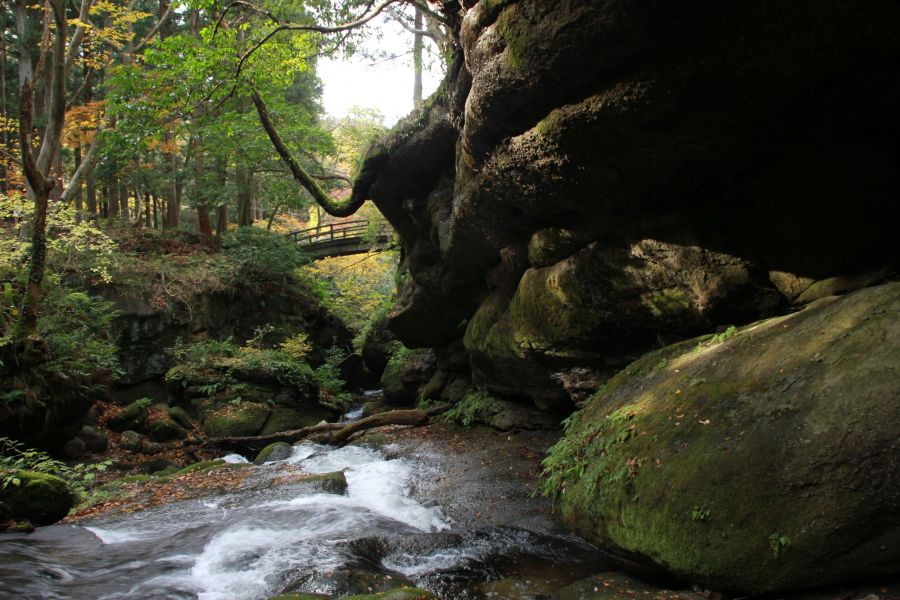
x: 418, y: 44
x: 79, y: 195
x: 155, y: 211
x: 243, y: 181
x: 4, y: 166
x: 113, y: 197
x: 37, y: 173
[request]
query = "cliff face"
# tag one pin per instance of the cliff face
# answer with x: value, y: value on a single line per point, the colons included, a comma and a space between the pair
x: 596, y: 179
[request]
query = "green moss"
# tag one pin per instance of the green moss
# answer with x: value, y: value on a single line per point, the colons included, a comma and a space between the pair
x: 40, y: 498
x: 696, y: 459
x: 180, y: 416
x: 235, y: 421
x: 131, y: 417
x: 282, y: 448
x: 515, y: 30
x: 668, y: 302
x: 333, y: 483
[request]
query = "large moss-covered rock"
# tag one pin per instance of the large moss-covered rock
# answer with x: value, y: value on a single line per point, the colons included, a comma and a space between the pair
x: 39, y: 498
x: 636, y: 180
x: 406, y: 373
x: 764, y: 458
x: 130, y: 417
x: 237, y: 420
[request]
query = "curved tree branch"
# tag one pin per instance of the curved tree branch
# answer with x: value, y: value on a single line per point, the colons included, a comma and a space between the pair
x: 331, y: 206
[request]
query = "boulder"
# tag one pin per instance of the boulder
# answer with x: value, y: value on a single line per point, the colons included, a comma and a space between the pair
x: 235, y: 421
x: 763, y: 458
x: 131, y: 417
x: 74, y: 449
x: 131, y: 440
x: 166, y: 429
x: 40, y: 498
x: 180, y: 416
x: 274, y: 452
x: 94, y: 438
x: 406, y: 373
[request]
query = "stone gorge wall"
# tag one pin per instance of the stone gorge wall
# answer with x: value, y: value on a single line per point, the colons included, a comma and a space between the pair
x: 599, y: 178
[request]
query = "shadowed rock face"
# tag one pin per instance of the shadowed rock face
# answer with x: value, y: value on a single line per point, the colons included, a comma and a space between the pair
x: 598, y: 178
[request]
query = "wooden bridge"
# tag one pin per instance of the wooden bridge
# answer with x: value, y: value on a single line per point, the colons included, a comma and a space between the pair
x: 343, y: 238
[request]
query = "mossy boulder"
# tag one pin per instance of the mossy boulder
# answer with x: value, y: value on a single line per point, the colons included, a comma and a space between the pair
x: 94, y: 438
x: 615, y: 586
x: 131, y: 417
x: 40, y: 498
x: 287, y: 419
x: 131, y: 440
x: 166, y: 429
x: 74, y: 449
x: 235, y: 421
x: 180, y: 416
x: 762, y: 459
x: 273, y: 452
x: 406, y: 373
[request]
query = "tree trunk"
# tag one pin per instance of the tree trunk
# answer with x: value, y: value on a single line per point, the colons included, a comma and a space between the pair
x: 37, y: 173
x: 221, y: 222
x: 244, y: 182
x: 113, y: 197
x: 79, y: 194
x: 417, y: 59
x: 332, y: 433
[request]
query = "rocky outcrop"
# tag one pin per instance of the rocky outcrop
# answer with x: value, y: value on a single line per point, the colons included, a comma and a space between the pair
x: 765, y: 459
x: 596, y: 179
x: 145, y: 333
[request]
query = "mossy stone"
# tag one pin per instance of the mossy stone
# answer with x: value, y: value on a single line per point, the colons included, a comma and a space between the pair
x: 131, y: 440
x: 236, y: 421
x: 166, y: 429
x: 287, y: 419
x: 180, y: 416
x: 748, y: 463
x: 40, y: 498
x: 94, y: 438
x: 132, y: 417
x: 299, y: 596
x: 273, y: 452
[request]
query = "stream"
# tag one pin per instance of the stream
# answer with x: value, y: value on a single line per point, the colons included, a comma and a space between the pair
x: 276, y: 534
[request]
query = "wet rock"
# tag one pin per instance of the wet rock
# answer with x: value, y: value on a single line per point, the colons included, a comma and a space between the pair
x: 377, y: 346
x: 131, y: 417
x: 614, y: 586
x: 332, y: 483
x: 94, y: 438
x: 39, y: 498
x: 747, y: 460
x: 366, y: 585
x: 274, y: 452
x: 131, y: 440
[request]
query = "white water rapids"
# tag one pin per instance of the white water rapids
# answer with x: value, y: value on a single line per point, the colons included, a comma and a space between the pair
x: 269, y: 537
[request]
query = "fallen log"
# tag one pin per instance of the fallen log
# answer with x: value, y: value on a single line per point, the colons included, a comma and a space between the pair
x: 328, y: 433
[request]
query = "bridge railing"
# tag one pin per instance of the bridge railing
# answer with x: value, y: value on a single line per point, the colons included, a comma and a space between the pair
x: 336, y: 232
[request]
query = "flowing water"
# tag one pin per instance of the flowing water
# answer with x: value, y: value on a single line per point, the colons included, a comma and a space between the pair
x: 274, y: 535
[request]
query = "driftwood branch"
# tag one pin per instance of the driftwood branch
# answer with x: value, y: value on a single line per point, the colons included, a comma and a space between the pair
x: 337, y: 434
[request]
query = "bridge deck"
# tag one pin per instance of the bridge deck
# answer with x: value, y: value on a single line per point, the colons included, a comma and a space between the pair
x: 343, y: 238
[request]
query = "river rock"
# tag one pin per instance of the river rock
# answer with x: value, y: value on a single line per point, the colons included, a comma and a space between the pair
x: 40, y: 498
x: 274, y: 452
x: 764, y: 458
x: 74, y: 449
